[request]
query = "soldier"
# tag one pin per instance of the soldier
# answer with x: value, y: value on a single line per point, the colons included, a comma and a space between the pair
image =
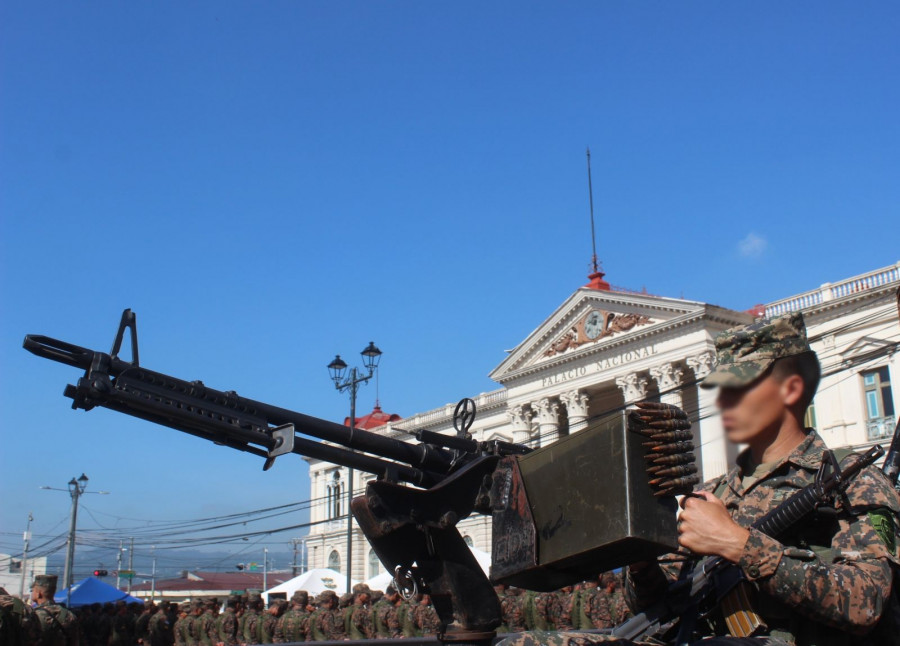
x: 425, y: 617
x: 345, y: 606
x: 385, y: 614
x: 361, y: 626
x: 405, y: 609
x: 511, y: 607
x: 18, y: 624
x: 294, y: 624
x: 159, y: 631
x: 182, y: 628
x: 618, y: 608
x: 562, y: 609
x: 58, y: 626
x: 252, y: 620
x: 268, y: 622
x: 323, y: 624
x: 595, y: 608
x: 142, y: 621
x: 121, y: 631
x: 196, y: 624
x: 827, y: 580
x: 227, y: 623
x: 500, y: 591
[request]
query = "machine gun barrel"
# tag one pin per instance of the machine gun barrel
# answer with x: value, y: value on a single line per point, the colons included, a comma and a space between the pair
x: 228, y: 419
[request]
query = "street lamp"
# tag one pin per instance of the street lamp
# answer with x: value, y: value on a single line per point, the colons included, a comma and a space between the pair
x: 76, y: 489
x: 337, y: 369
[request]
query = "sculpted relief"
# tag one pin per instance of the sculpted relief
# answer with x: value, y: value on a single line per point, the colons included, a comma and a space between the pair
x: 595, y: 325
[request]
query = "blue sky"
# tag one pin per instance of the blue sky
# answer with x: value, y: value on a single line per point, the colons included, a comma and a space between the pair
x: 270, y: 183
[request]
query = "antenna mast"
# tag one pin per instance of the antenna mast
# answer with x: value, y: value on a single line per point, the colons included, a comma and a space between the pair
x: 591, y: 197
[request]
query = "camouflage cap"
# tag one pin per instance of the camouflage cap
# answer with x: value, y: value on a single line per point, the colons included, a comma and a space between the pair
x: 45, y: 580
x: 326, y: 596
x: 361, y: 588
x: 300, y: 597
x: 744, y: 353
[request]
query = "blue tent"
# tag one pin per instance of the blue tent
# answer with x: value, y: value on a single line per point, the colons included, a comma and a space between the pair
x: 93, y: 590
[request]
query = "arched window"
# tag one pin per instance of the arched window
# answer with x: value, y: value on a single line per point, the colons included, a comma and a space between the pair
x: 334, y: 496
x: 334, y: 561
x: 374, y: 564
x: 469, y: 541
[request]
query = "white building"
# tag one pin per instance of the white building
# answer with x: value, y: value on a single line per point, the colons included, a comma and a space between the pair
x: 13, y: 579
x: 603, y: 349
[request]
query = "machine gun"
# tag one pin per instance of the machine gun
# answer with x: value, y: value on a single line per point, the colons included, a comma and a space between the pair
x: 548, y: 530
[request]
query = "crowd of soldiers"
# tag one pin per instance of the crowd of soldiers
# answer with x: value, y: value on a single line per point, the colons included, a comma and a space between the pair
x: 592, y: 604
x: 361, y: 614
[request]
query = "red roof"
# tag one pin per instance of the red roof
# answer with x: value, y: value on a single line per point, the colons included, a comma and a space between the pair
x: 374, y: 419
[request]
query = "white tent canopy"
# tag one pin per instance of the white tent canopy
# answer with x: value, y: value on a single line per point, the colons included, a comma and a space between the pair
x: 381, y: 581
x: 314, y: 582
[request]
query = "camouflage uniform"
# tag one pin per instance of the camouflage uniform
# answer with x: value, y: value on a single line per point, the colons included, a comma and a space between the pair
x: 595, y: 606
x: 323, y: 623
x: 182, y: 627
x: 511, y: 607
x: 18, y: 624
x: 227, y: 626
x: 267, y: 622
x: 361, y: 626
x: 159, y: 632
x: 561, y: 609
x: 58, y: 626
x: 294, y: 624
x: 141, y: 624
x: 386, y: 617
x: 121, y: 632
x: 426, y: 618
x: 405, y: 618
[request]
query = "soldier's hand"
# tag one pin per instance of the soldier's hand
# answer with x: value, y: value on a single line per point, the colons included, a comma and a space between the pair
x: 705, y: 527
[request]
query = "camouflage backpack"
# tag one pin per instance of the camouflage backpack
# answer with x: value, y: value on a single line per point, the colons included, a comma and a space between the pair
x: 18, y: 625
x: 57, y: 625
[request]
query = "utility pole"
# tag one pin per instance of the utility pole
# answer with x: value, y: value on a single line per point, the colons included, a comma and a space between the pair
x: 119, y: 566
x: 27, y: 537
x: 131, y: 565
x: 153, y: 574
x: 265, y: 569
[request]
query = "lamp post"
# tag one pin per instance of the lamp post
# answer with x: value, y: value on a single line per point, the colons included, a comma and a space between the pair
x: 337, y: 369
x: 76, y: 489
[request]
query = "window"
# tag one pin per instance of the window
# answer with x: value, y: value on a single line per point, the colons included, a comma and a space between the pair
x: 879, y: 403
x: 334, y: 496
x: 468, y: 540
x: 374, y: 564
x: 809, y: 420
x: 334, y: 561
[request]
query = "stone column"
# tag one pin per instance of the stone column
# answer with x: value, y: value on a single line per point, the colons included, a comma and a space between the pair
x: 576, y: 403
x: 668, y: 379
x: 520, y: 420
x: 634, y: 387
x: 711, y: 437
x: 547, y: 420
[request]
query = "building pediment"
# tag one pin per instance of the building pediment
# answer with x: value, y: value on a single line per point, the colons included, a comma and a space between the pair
x: 865, y: 348
x: 590, y: 321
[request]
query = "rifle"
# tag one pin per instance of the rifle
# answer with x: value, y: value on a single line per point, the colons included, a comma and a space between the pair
x: 713, y: 575
x: 545, y: 536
